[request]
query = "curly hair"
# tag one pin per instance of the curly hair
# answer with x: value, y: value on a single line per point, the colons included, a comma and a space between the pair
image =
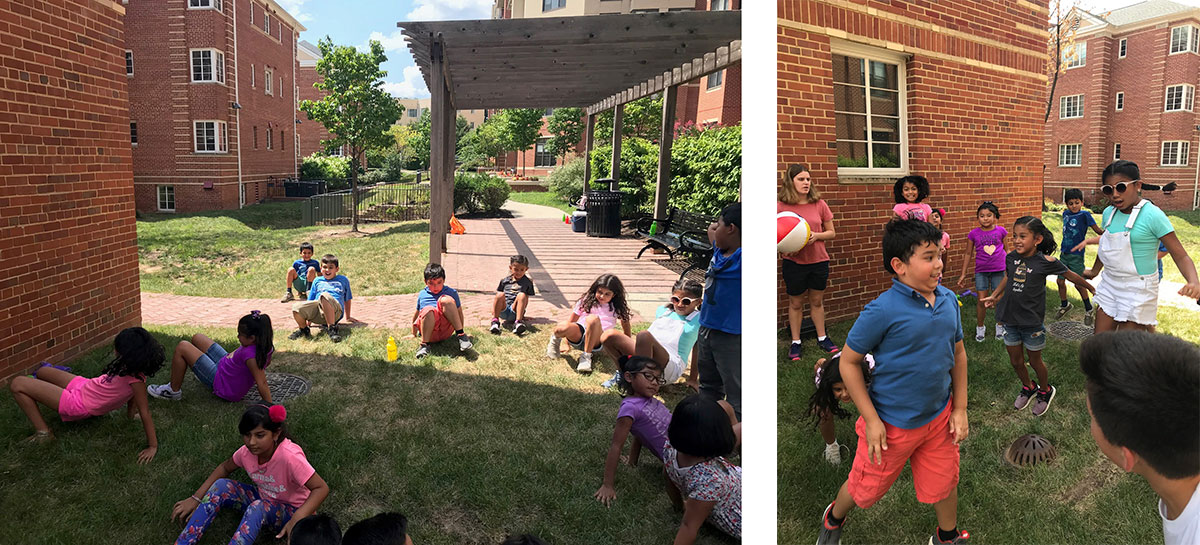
x: 138, y: 354
x: 611, y: 283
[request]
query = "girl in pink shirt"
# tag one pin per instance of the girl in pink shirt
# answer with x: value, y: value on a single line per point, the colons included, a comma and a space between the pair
x: 229, y: 375
x: 123, y: 382
x: 909, y: 191
x: 286, y: 488
x: 595, y: 314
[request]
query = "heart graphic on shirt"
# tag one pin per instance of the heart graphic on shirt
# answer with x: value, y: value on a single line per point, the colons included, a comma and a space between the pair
x: 990, y: 249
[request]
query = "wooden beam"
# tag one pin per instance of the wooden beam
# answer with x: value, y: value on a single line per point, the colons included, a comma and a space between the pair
x: 713, y: 61
x: 618, y: 122
x: 665, y: 140
x: 589, y: 136
x: 438, y: 225
x: 595, y: 28
x: 449, y: 133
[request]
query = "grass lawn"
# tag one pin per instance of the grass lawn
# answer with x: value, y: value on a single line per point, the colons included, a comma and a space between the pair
x: 1187, y: 228
x: 469, y: 448
x: 246, y: 253
x: 544, y: 198
x: 1079, y: 498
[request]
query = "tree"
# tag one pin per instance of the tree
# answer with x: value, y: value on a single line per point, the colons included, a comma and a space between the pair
x: 520, y: 128
x: 566, y: 128
x: 418, y: 139
x: 481, y: 144
x: 1061, y: 45
x: 356, y: 110
x: 642, y: 119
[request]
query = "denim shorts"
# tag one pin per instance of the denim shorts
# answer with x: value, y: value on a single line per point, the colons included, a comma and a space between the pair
x: 988, y: 280
x: 205, y: 367
x: 508, y: 314
x: 1033, y: 337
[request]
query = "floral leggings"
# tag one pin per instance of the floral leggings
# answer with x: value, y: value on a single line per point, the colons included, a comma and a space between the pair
x: 228, y: 493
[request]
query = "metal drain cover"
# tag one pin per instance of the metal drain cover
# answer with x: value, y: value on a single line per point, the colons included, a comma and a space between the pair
x: 1030, y: 450
x: 283, y: 387
x: 1071, y: 331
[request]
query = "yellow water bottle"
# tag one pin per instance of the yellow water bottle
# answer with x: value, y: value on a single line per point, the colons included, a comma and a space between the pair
x: 392, y: 351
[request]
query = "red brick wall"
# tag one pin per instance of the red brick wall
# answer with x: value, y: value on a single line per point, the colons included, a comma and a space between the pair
x: 275, y: 112
x: 311, y: 132
x: 723, y: 104
x: 65, y: 200
x: 974, y: 122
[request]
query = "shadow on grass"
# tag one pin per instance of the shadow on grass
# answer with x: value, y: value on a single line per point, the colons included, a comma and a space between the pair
x: 411, y: 227
x: 271, y: 215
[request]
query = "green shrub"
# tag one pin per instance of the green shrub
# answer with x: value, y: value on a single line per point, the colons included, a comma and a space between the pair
x: 476, y: 192
x: 639, y: 172
x: 372, y: 177
x: 393, y: 165
x: 567, y: 181
x: 322, y: 167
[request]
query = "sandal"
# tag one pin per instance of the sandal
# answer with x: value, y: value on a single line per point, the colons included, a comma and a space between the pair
x: 48, y: 364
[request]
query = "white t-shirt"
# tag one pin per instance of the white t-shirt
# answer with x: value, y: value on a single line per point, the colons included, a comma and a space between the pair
x: 1185, y: 529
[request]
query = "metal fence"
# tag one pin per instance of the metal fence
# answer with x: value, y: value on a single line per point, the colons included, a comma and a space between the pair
x: 384, y: 202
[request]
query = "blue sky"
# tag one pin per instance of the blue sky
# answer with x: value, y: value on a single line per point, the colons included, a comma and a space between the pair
x: 355, y: 22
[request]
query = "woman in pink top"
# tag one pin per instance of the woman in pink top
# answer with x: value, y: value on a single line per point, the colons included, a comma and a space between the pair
x: 908, y: 192
x: 229, y: 375
x: 123, y: 382
x: 806, y: 272
x: 595, y: 313
x: 286, y: 488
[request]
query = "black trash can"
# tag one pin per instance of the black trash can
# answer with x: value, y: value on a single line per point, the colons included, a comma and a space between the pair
x: 604, y: 214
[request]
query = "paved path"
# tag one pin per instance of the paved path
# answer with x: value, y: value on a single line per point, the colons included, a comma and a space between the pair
x: 563, y: 265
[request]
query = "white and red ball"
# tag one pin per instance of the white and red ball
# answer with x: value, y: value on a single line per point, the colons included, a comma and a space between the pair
x: 792, y: 232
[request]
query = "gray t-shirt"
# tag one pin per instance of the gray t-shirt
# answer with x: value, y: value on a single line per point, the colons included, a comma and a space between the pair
x: 1024, y: 302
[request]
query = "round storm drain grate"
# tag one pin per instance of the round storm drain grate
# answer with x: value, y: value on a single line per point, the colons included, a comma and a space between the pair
x: 1071, y: 331
x: 1030, y: 450
x: 283, y: 387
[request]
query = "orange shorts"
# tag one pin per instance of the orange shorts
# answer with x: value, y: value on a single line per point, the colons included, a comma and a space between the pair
x: 930, y: 449
x: 441, y: 326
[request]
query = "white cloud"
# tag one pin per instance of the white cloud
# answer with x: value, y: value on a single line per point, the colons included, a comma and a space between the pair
x: 413, y: 85
x: 450, y: 10
x: 296, y: 9
x: 393, y: 42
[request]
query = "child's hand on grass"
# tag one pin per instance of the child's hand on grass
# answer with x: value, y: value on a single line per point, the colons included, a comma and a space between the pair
x: 1190, y: 290
x: 876, y: 440
x: 606, y: 495
x: 145, y: 456
x: 958, y: 425
x: 184, y: 508
x: 287, y: 529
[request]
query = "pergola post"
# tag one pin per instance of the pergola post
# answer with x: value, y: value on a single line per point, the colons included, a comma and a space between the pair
x: 618, y: 119
x: 588, y: 144
x: 665, y: 141
x: 439, y: 178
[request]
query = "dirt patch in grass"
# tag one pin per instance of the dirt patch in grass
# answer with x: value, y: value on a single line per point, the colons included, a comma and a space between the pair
x: 1096, y: 477
x: 457, y: 522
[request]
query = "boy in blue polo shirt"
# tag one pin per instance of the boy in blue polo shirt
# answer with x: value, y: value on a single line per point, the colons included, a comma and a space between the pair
x: 916, y: 408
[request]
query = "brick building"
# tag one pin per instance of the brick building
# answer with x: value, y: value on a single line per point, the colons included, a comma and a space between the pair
x: 957, y: 95
x: 212, y: 87
x: 309, y: 133
x: 66, y: 195
x: 1128, y: 91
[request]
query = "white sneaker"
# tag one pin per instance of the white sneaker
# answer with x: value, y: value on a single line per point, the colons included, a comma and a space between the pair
x: 999, y: 331
x: 164, y: 391
x: 833, y: 453
x: 552, y: 349
x: 585, y: 363
x: 464, y: 343
x: 979, y: 334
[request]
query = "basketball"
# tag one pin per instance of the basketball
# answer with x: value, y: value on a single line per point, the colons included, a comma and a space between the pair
x: 791, y: 232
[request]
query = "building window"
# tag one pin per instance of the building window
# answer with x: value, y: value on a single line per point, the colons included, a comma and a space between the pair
x: 211, y: 136
x: 1075, y: 56
x: 208, y: 65
x: 714, y: 80
x: 1116, y: 151
x: 251, y: 13
x: 128, y: 62
x: 412, y: 112
x: 1070, y: 107
x: 251, y: 75
x: 1120, y: 101
x: 1180, y: 98
x: 1175, y: 153
x: 205, y: 4
x: 267, y: 74
x: 869, y: 111
x: 1070, y: 155
x: 551, y: 5
x: 718, y: 5
x: 269, y: 133
x: 267, y: 23
x: 133, y: 133
x: 1184, y: 39
x: 281, y: 87
x: 1121, y: 49
x: 541, y: 156
x: 166, y: 198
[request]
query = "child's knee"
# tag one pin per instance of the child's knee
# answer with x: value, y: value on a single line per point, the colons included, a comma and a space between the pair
x: 18, y: 384
x: 817, y: 302
x: 447, y: 302
x: 522, y: 297
x: 591, y: 320
x: 499, y: 297
x: 644, y: 337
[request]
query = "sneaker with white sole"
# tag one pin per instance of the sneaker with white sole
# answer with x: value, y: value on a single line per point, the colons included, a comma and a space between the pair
x: 961, y: 539
x: 980, y: 334
x: 552, y: 349
x: 464, y: 343
x: 1062, y: 311
x: 164, y: 391
x: 612, y: 382
x: 833, y: 453
x: 288, y: 297
x: 1000, y: 331
x: 585, y: 363
x: 1043, y: 401
x: 830, y: 535
x: 1024, y: 396
x: 495, y: 329
x: 422, y: 351
x: 520, y: 328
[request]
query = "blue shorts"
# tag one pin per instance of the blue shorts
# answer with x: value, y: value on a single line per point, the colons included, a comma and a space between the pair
x: 988, y: 280
x: 508, y: 314
x: 1033, y: 337
x: 205, y: 367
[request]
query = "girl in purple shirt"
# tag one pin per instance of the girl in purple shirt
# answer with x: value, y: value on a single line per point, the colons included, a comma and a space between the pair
x: 988, y: 243
x: 643, y: 415
x: 229, y: 375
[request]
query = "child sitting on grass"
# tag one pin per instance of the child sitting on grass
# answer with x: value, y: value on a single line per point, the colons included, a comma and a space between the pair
x: 316, y: 530
x: 229, y: 375
x: 699, y: 478
x: 592, y: 320
x: 122, y: 382
x: 916, y: 408
x: 302, y: 273
x: 512, y: 296
x: 1142, y: 397
x: 670, y: 339
x: 825, y: 403
x: 640, y: 413
x: 328, y: 302
x: 439, y: 312
x: 381, y: 529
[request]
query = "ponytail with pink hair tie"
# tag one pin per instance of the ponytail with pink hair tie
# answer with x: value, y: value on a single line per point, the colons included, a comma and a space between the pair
x: 277, y: 413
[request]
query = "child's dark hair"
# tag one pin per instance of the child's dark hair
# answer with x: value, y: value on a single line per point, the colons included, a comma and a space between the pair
x: 941, y: 212
x: 271, y: 417
x: 988, y: 205
x: 1035, y: 226
x: 1142, y: 388
x: 1128, y: 169
x: 920, y: 182
x: 330, y: 259
x: 823, y: 401
x: 523, y: 539
x: 518, y: 260
x: 307, y: 246
x: 612, y: 283
x: 1072, y: 194
x: 632, y: 364
x: 316, y: 530
x: 434, y: 270
x: 701, y: 427
x: 732, y: 215
x: 139, y: 354
x: 258, y: 325
x: 382, y: 529
x: 901, y: 238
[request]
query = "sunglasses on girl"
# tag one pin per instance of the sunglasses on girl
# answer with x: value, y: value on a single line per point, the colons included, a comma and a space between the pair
x: 1119, y: 187
x: 685, y: 301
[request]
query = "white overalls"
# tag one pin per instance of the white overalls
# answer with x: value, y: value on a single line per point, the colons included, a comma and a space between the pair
x: 1124, y: 294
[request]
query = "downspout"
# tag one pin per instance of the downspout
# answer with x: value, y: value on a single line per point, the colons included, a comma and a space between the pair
x: 237, y: 112
x: 295, y: 110
x: 1196, y: 182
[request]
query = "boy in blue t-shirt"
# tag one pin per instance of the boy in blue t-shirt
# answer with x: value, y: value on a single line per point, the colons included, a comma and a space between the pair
x: 1076, y: 222
x: 302, y: 273
x: 328, y: 301
x: 439, y: 312
x: 719, y: 349
x: 916, y: 409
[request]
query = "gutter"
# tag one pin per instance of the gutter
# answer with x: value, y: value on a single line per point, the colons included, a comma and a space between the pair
x: 237, y: 112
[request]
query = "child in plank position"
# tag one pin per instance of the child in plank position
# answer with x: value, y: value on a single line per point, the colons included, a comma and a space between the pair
x: 229, y: 375
x: 826, y: 402
x: 122, y: 382
x: 512, y: 296
x: 916, y: 409
x: 1141, y: 394
x: 328, y: 302
x: 302, y: 273
x: 699, y: 478
x: 439, y: 312
x: 641, y: 414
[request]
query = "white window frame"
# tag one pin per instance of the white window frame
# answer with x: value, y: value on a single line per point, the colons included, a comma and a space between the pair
x: 129, y: 62
x: 868, y: 53
x: 1182, y: 148
x: 1116, y: 151
x: 1120, y: 105
x: 266, y: 22
x: 1187, y: 97
x: 251, y: 13
x: 133, y: 135
x: 1191, y: 40
x: 718, y: 5
x: 1123, y: 48
x: 166, y: 198
x: 216, y: 57
x: 281, y: 87
x: 220, y: 136
x: 252, y: 77
x: 269, y: 139
x: 1078, y: 57
x: 719, y: 77
x: 205, y: 4
x: 268, y: 74
x: 1062, y: 149
x: 1062, y: 106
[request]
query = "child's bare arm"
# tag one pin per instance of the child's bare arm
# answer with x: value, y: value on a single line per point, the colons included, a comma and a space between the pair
x: 635, y: 452
x: 695, y: 512
x: 141, y: 401
x: 347, y: 313
x: 183, y: 508
x: 627, y: 328
x: 1185, y: 265
x: 997, y: 294
x: 318, y: 491
x: 852, y: 377
x: 260, y: 380
x: 958, y: 387
x: 607, y: 492
x: 672, y: 491
x: 962, y: 275
x: 1079, y: 281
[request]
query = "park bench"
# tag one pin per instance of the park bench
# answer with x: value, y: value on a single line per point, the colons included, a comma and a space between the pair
x: 680, y: 233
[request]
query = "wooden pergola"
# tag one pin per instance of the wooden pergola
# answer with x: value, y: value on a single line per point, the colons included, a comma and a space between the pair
x: 596, y: 62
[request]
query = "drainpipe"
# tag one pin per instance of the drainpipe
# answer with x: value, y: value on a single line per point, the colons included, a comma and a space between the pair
x: 237, y: 111
x: 295, y: 110
x: 1196, y: 184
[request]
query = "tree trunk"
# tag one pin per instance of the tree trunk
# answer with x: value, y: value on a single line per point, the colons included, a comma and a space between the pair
x: 353, y: 191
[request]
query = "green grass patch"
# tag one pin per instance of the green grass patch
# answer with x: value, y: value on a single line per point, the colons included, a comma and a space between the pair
x: 1187, y: 228
x: 544, y: 198
x: 470, y: 448
x: 246, y: 253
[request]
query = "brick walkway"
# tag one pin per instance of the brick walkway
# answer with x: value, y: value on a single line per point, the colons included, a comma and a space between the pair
x: 562, y: 265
